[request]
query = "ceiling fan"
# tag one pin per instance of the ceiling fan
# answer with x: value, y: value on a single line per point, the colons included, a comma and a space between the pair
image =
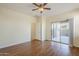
x: 41, y: 7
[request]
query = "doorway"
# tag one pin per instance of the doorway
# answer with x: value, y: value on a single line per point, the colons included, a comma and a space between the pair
x: 33, y: 31
x: 61, y: 31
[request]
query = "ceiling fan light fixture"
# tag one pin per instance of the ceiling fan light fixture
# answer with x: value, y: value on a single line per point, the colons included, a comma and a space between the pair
x: 41, y: 9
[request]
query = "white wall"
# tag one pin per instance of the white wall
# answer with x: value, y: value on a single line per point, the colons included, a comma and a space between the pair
x: 15, y: 27
x: 72, y: 14
x: 76, y: 31
x: 39, y: 28
x: 43, y: 28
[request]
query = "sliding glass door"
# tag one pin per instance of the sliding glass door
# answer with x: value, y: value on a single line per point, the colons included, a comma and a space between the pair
x: 60, y: 32
x: 64, y: 32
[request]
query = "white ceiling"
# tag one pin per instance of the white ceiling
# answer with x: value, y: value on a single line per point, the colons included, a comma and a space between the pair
x: 56, y: 8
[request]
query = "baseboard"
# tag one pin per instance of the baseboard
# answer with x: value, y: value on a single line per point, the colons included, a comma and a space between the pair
x: 75, y: 46
x: 47, y: 40
x: 1, y: 47
x: 36, y: 40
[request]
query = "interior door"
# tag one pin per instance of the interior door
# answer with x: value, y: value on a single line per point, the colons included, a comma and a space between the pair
x: 33, y: 31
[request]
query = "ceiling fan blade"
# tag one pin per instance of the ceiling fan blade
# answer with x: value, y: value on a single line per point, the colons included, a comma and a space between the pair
x: 40, y: 5
x: 48, y: 8
x: 36, y: 4
x: 44, y: 4
x: 34, y: 9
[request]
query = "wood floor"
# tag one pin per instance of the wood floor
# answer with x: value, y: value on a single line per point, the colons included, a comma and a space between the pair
x: 38, y: 48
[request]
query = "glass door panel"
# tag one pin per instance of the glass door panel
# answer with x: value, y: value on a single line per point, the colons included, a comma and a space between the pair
x: 64, y: 32
x: 56, y: 32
